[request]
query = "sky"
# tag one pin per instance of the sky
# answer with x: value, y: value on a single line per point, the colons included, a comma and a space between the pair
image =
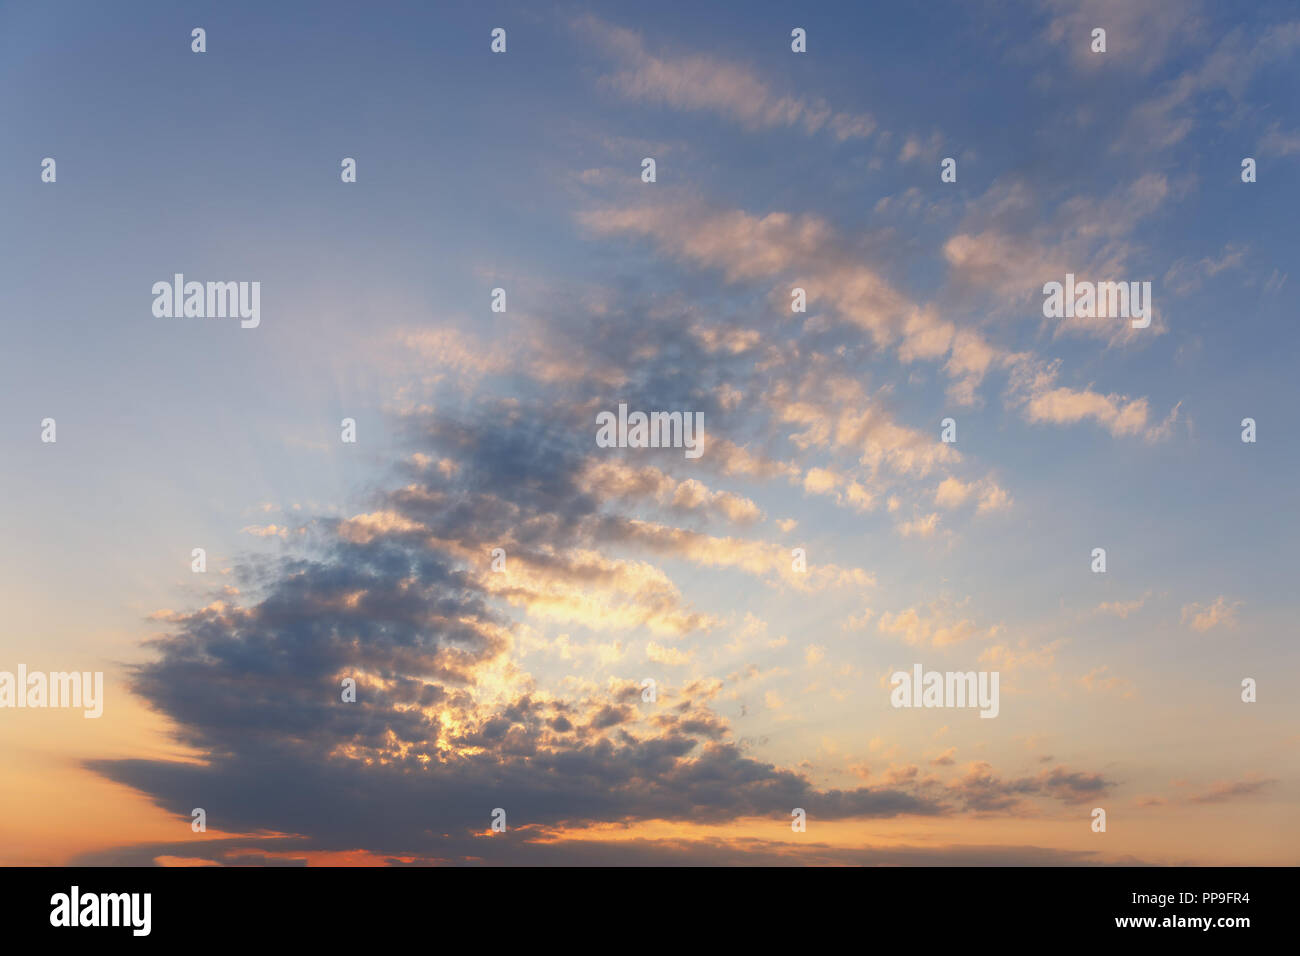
x: 520, y: 685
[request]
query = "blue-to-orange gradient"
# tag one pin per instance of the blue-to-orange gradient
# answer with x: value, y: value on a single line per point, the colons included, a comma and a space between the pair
x: 521, y: 687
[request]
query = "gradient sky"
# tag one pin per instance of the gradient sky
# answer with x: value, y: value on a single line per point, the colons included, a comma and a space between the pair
x: 476, y: 430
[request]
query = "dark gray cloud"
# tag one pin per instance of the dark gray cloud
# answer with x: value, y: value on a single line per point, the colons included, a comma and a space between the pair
x: 981, y: 790
x: 415, y: 767
x: 417, y: 759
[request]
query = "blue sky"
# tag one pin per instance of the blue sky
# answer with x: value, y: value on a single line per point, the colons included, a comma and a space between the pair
x: 774, y: 169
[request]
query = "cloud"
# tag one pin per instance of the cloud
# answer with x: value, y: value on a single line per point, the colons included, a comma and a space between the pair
x: 1004, y: 251
x: 981, y: 790
x: 952, y: 493
x: 786, y: 250
x: 937, y: 625
x: 666, y: 655
x: 446, y: 724
x: 696, y: 82
x: 916, y: 148
x: 585, y: 587
x: 1278, y: 142
x: 1207, y: 617
x: 611, y: 478
x: 922, y: 526
x: 1225, y: 791
x: 1139, y: 36
x: 266, y: 531
x: 1122, y: 609
x: 1098, y: 680
x: 1006, y: 658
x: 803, y: 248
x: 944, y: 759
x: 1033, y: 387
x: 1186, y: 276
x: 1219, y: 79
x: 1062, y: 405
